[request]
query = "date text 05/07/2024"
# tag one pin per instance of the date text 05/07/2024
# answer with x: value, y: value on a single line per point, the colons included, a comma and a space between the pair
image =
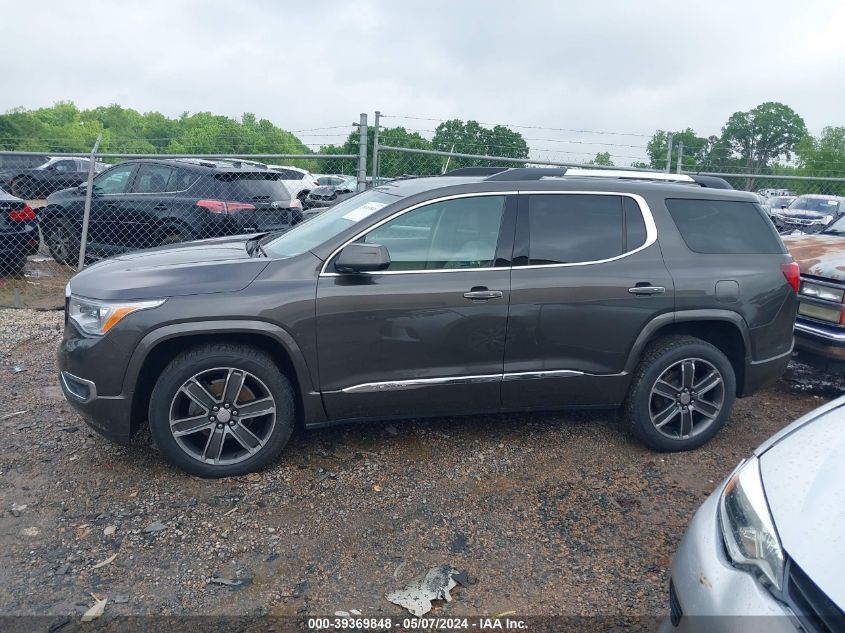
x: 417, y: 624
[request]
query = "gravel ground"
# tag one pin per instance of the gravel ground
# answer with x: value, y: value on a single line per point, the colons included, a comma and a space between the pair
x: 553, y: 515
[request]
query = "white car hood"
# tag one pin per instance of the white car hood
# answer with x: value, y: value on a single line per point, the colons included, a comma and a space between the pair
x: 804, y: 479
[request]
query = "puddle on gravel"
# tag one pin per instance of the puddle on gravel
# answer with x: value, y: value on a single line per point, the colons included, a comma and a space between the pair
x: 811, y: 380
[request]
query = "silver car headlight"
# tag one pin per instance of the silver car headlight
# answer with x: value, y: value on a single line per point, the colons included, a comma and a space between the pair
x: 98, y: 317
x: 749, y: 533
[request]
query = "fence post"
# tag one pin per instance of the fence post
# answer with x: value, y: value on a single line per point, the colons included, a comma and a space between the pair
x: 680, y: 155
x: 375, y: 149
x: 668, y: 152
x: 89, y: 189
x: 362, y: 153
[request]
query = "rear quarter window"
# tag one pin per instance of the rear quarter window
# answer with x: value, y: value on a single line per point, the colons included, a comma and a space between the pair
x: 724, y: 227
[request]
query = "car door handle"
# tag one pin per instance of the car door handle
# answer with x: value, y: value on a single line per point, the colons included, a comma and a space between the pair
x: 483, y: 295
x: 160, y: 207
x: 647, y: 290
x: 112, y: 203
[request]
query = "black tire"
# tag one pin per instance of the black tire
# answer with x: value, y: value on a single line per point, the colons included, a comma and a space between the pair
x: 11, y: 267
x: 205, y: 360
x: 172, y: 238
x: 62, y: 241
x: 697, y: 416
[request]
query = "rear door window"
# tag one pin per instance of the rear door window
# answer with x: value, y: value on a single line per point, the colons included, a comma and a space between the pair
x: 153, y: 179
x: 724, y: 227
x: 575, y: 228
x: 64, y: 166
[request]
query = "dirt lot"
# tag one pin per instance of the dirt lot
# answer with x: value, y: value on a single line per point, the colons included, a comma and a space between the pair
x: 552, y: 514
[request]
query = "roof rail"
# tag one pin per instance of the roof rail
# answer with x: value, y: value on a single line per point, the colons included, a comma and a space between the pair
x: 713, y: 182
x: 628, y: 174
x: 538, y: 173
x: 529, y: 173
x: 475, y: 171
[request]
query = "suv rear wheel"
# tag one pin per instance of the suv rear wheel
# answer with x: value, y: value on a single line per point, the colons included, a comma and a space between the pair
x: 682, y: 392
x: 221, y: 410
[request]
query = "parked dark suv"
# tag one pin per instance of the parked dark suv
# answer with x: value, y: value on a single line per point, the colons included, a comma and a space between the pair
x: 440, y: 296
x: 143, y: 203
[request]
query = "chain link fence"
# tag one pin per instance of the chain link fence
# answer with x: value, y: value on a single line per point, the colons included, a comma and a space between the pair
x: 65, y: 209
x: 795, y: 203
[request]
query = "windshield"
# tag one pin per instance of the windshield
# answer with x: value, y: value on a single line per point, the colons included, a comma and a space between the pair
x: 326, y: 225
x: 837, y: 228
x: 820, y: 205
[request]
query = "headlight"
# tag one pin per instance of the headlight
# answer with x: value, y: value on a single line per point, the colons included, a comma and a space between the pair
x: 827, y: 219
x: 98, y: 317
x: 822, y: 292
x: 747, y: 527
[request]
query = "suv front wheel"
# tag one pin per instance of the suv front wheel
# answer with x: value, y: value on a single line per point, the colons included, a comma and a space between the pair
x: 681, y: 395
x: 221, y: 410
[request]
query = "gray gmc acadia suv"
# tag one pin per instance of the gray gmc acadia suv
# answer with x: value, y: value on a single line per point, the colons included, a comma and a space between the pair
x: 528, y: 289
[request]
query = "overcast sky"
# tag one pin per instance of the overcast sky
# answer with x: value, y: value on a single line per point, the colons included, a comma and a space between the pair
x: 610, y: 66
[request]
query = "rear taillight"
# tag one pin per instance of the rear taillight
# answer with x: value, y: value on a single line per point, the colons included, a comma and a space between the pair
x: 22, y: 215
x: 296, y: 203
x: 792, y: 274
x: 224, y: 206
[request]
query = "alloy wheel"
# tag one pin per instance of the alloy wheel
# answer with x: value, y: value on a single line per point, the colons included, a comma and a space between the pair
x: 222, y: 416
x: 687, y: 398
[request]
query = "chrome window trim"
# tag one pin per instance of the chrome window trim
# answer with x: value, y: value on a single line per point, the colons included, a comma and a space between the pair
x: 645, y: 210
x: 401, y: 212
x: 416, y: 383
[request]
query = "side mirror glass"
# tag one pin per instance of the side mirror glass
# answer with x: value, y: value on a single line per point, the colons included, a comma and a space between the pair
x: 362, y: 258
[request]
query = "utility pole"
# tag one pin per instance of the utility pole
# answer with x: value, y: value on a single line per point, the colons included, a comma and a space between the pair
x: 668, y: 152
x: 86, y: 213
x: 680, y: 155
x: 375, y: 149
x: 362, y: 152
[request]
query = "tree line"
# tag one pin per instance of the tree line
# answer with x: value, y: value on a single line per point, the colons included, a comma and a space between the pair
x: 768, y: 139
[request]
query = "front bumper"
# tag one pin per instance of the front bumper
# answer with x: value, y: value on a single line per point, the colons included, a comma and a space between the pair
x: 713, y: 596
x: 804, y: 225
x: 819, y: 339
x: 90, y: 371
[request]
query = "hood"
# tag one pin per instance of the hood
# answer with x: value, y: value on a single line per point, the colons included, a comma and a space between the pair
x: 323, y: 190
x: 205, y: 266
x: 818, y: 255
x: 803, y: 214
x: 804, y: 480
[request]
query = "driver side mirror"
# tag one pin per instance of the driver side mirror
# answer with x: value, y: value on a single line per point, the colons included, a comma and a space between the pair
x: 362, y: 258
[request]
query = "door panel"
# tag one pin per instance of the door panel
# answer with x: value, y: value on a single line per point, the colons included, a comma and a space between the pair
x: 427, y: 336
x: 578, y: 322
x: 399, y: 328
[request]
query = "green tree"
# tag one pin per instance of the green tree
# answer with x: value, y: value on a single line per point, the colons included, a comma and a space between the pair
x: 763, y: 134
x: 823, y: 156
x: 602, y: 158
x: 392, y: 164
x: 694, y: 150
x: 471, y: 137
